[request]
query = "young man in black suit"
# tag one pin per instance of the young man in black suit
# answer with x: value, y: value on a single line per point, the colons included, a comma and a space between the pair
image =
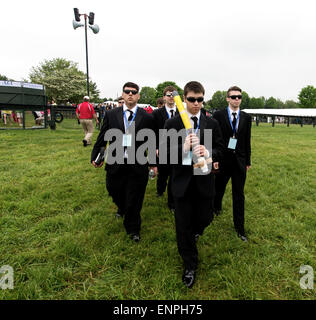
x: 193, y: 193
x: 236, y: 130
x: 160, y: 116
x: 126, y: 179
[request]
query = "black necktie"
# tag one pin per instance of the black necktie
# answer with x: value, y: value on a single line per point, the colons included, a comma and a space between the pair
x: 195, y: 120
x: 172, y: 111
x: 234, y: 120
x: 130, y: 115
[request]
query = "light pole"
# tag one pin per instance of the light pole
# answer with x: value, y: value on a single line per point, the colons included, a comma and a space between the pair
x: 94, y: 27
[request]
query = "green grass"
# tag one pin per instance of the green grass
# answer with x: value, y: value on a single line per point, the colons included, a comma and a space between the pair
x: 59, y: 233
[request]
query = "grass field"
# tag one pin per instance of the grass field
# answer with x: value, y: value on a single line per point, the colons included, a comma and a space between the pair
x: 59, y: 233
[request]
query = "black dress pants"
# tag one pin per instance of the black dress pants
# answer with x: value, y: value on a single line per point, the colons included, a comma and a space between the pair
x: 164, y: 172
x: 192, y: 215
x: 238, y: 178
x: 127, y: 188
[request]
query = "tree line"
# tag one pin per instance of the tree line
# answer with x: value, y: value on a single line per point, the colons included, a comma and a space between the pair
x: 64, y: 82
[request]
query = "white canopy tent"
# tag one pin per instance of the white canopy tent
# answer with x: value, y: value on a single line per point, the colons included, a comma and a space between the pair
x: 286, y: 113
x: 298, y: 112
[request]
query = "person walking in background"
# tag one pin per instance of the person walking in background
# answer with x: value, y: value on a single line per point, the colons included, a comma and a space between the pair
x: 120, y: 101
x: 85, y: 113
x: 236, y: 130
x: 161, y: 115
x: 160, y: 103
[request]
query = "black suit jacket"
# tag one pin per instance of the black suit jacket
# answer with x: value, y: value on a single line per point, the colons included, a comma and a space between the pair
x: 242, y: 153
x: 113, y: 119
x: 160, y: 116
x: 182, y: 174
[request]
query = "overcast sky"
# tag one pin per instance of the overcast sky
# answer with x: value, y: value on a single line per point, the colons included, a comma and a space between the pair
x: 268, y: 48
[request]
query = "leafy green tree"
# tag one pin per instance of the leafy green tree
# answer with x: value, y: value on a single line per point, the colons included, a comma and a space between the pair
x: 256, y: 103
x: 271, y: 103
x: 218, y: 100
x: 63, y: 81
x: 289, y: 104
x: 307, y: 97
x: 161, y: 86
x: 3, y: 78
x: 245, y: 100
x: 148, y: 96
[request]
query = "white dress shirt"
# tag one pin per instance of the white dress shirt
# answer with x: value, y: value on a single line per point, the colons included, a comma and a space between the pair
x: 169, y: 109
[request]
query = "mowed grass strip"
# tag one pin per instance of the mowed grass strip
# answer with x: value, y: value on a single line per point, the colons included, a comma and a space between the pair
x: 60, y: 235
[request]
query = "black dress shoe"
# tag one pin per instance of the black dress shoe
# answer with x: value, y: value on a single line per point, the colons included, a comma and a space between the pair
x: 85, y: 143
x: 135, y: 237
x: 188, y: 277
x: 242, y: 237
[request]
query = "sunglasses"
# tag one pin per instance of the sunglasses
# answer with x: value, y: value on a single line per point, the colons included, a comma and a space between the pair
x: 121, y: 102
x: 130, y: 91
x: 199, y: 99
x: 169, y: 95
x: 235, y: 97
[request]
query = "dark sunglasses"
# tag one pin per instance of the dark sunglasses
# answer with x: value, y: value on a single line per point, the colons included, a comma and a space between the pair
x: 121, y: 102
x: 235, y: 97
x: 131, y: 91
x: 199, y: 99
x: 169, y: 95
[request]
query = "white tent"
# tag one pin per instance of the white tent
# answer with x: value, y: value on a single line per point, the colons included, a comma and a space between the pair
x: 306, y: 113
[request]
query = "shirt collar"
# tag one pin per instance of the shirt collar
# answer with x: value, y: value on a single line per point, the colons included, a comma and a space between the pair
x: 169, y: 109
x: 194, y: 115
x: 125, y: 108
x: 231, y: 111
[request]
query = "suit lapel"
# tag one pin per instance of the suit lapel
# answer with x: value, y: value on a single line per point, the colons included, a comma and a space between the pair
x: 119, y: 117
x: 241, y: 121
x: 202, y: 127
x: 138, y: 119
x: 227, y: 121
x: 164, y: 114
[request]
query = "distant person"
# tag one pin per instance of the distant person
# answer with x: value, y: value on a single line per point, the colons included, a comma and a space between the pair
x: 120, y: 101
x: 85, y: 113
x: 19, y: 117
x: 160, y: 103
x: 148, y: 109
x: 39, y: 117
x: 236, y: 130
x: 161, y: 115
x: 7, y: 114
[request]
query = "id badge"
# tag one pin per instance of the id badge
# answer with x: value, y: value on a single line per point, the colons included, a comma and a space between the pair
x: 232, y: 143
x: 127, y: 140
x: 187, y: 160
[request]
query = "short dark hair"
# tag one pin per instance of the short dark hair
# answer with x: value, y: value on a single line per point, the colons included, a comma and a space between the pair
x: 131, y: 85
x: 194, y: 86
x: 160, y: 101
x: 119, y: 98
x: 233, y: 88
x: 168, y: 88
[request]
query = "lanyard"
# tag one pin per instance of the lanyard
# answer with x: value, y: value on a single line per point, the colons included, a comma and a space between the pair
x: 128, y: 124
x: 231, y: 123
